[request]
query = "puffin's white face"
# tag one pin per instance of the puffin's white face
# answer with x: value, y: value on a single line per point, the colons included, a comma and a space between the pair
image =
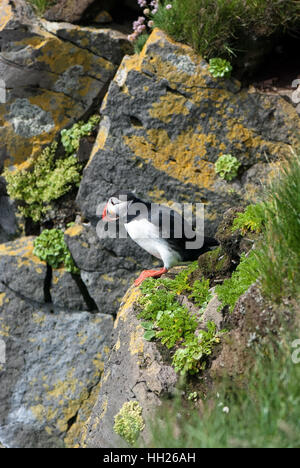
x: 115, y: 208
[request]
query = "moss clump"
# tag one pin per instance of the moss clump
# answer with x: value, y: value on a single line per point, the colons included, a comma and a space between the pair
x: 227, y: 167
x: 47, y: 180
x: 241, y: 279
x: 214, y: 264
x: 129, y: 422
x: 51, y: 248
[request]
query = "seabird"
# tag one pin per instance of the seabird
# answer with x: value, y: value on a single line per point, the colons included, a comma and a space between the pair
x: 158, y: 229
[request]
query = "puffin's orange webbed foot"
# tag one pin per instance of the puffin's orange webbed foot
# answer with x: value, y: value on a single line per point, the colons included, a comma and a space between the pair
x: 149, y: 274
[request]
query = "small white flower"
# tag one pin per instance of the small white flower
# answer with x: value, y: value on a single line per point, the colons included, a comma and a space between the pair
x: 168, y: 7
x: 226, y: 409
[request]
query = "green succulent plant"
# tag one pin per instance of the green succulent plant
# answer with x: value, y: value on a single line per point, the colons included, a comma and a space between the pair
x: 129, y: 422
x: 227, y: 167
x: 220, y: 68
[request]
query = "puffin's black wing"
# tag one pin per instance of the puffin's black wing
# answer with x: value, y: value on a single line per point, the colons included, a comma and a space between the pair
x: 178, y: 232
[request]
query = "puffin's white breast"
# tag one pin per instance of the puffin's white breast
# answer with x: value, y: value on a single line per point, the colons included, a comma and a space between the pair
x: 146, y: 235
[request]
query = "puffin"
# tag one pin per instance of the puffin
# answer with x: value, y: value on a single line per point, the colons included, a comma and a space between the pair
x: 144, y: 223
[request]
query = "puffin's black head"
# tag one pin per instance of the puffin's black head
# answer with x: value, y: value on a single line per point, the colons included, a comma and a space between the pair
x: 117, y: 205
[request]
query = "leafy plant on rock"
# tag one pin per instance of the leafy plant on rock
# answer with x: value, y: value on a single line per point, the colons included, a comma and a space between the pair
x: 129, y: 422
x: 51, y: 248
x: 46, y: 180
x: 173, y: 324
x: 220, y: 68
x: 71, y: 138
x: 187, y: 358
x: 241, y: 279
x: 252, y: 219
x: 227, y: 167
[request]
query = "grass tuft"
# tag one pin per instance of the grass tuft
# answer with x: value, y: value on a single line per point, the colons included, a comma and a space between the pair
x: 265, y: 413
x: 215, y: 27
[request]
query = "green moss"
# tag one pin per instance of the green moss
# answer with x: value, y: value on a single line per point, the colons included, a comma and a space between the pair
x: 129, y: 422
x: 213, y: 264
x: 71, y: 138
x: 51, y: 248
x: 47, y: 180
x: 227, y: 167
x: 252, y: 219
x: 245, y: 275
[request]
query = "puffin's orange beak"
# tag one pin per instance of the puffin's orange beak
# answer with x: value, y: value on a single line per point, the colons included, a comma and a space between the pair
x: 105, y: 216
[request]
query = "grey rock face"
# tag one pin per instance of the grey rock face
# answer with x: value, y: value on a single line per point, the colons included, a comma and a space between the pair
x: 165, y: 123
x: 134, y: 372
x: 8, y: 222
x: 52, y: 363
x: 48, y: 82
x: 107, y: 43
x: 107, y: 267
x: 67, y: 10
x: 51, y: 353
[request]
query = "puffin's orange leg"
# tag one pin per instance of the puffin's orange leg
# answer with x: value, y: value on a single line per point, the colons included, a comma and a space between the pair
x: 149, y: 274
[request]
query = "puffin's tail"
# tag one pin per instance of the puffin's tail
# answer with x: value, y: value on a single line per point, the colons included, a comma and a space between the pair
x: 192, y: 254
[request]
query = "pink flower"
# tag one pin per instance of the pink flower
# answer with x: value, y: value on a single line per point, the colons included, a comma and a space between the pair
x: 141, y: 28
x: 168, y: 7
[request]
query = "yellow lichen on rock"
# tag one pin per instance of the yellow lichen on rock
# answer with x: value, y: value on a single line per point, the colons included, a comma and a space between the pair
x: 130, y: 297
x: 6, y: 14
x: 74, y: 230
x: 176, y: 157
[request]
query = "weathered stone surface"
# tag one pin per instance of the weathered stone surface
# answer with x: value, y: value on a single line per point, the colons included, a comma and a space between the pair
x: 103, y: 17
x: 53, y: 365
x: 107, y: 43
x: 212, y: 312
x: 67, y: 10
x: 21, y: 271
x: 8, y: 222
x: 165, y: 122
x: 50, y: 82
x: 107, y: 266
x: 134, y: 371
x: 65, y: 291
x: 252, y: 319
